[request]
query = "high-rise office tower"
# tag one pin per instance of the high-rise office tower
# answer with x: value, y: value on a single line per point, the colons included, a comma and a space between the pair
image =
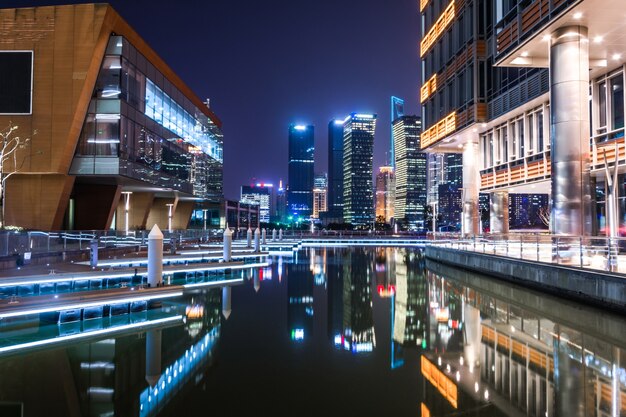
x: 335, y: 168
x: 261, y: 194
x: 301, y: 151
x: 411, y: 182
x: 397, y: 111
x: 281, y: 203
x: 320, y: 194
x: 385, y: 192
x: 358, y: 152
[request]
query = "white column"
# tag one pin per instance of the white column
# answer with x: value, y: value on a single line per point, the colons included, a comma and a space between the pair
x: 471, y: 185
x: 249, y: 238
x: 257, y: 240
x: 280, y: 234
x: 499, y: 212
x: 228, y: 244
x: 126, y: 209
x: 155, y: 257
x: 569, y: 109
x: 264, y: 236
x: 273, y: 235
x: 170, y: 214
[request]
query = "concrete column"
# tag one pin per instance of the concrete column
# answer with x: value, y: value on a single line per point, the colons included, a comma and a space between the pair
x: 273, y: 235
x: 226, y: 302
x: 257, y: 240
x: 569, y: 123
x: 249, y: 238
x: 264, y: 236
x: 499, y: 212
x: 280, y: 234
x: 228, y: 244
x: 155, y: 257
x: 153, y: 356
x: 471, y: 184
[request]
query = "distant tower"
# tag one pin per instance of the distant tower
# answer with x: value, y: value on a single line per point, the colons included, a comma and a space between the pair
x: 411, y: 169
x: 301, y: 150
x: 358, y: 153
x: 397, y: 111
x: 320, y: 194
x: 385, y: 192
x: 335, y: 168
x: 281, y: 203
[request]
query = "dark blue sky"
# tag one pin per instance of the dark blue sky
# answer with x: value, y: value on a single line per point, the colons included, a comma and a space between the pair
x: 265, y: 64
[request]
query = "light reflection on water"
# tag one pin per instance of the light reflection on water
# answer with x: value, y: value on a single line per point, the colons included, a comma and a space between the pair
x: 340, y: 332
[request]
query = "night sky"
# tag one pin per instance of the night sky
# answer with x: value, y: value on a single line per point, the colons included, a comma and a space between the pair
x: 266, y: 64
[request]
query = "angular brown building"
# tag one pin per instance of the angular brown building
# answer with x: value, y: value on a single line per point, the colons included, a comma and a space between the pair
x: 117, y: 138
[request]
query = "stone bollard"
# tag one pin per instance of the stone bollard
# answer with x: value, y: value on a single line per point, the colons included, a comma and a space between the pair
x: 155, y: 257
x: 228, y: 244
x: 226, y: 305
x: 273, y: 235
x: 93, y: 252
x: 249, y: 238
x: 280, y: 235
x: 263, y: 236
x: 257, y: 240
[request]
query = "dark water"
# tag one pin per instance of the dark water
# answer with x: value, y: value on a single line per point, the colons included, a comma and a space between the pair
x: 338, y: 332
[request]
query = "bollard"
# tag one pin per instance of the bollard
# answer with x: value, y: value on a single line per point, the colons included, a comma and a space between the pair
x: 153, y: 357
x: 93, y: 248
x: 280, y: 235
x: 228, y: 244
x: 273, y: 235
x: 226, y: 305
x: 263, y: 236
x: 155, y: 257
x: 249, y: 238
x: 257, y: 240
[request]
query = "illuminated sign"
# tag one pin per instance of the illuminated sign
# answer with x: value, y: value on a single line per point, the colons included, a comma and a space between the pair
x: 439, y: 131
x: 438, y: 28
x: 428, y: 88
x: 423, y: 4
x: 444, y: 385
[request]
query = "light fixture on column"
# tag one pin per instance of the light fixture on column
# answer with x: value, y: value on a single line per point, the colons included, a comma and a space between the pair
x: 170, y: 208
x: 126, y: 209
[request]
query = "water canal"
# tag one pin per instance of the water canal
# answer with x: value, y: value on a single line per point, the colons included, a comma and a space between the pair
x: 336, y: 332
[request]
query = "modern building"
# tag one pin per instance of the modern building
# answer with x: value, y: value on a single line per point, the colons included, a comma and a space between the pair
x: 526, y: 211
x: 385, y: 194
x: 261, y: 194
x: 320, y: 194
x: 335, y: 168
x: 301, y: 159
x: 411, y: 189
x: 443, y: 169
x: 528, y: 124
x: 397, y: 111
x: 449, y: 207
x: 358, y: 152
x: 281, y: 203
x: 117, y: 139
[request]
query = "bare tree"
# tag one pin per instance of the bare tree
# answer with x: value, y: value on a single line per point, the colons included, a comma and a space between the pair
x: 544, y: 215
x: 9, y: 162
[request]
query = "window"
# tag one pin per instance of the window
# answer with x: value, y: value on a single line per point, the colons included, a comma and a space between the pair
x: 16, y: 75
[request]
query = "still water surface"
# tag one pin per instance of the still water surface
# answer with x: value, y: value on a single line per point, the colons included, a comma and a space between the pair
x: 337, y: 332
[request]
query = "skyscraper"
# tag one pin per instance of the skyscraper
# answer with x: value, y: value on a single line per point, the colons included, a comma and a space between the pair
x: 281, y: 203
x: 397, y: 110
x: 411, y: 185
x: 261, y: 194
x: 358, y: 150
x: 335, y: 168
x: 385, y: 192
x: 320, y: 194
x: 301, y: 150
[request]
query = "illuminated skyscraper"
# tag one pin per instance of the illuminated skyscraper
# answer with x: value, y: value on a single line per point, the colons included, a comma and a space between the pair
x: 320, y: 194
x: 301, y: 150
x: 261, y: 194
x: 358, y: 151
x: 411, y: 184
x: 335, y: 168
x: 385, y: 191
x: 281, y: 203
x: 397, y: 111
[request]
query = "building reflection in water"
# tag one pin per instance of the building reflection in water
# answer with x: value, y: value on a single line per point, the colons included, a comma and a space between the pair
x: 317, y: 265
x: 518, y: 353
x: 299, y: 301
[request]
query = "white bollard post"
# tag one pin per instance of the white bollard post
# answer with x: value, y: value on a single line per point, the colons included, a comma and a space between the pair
x: 257, y: 240
x: 249, y: 238
x: 280, y: 235
x: 155, y: 257
x: 228, y: 244
x: 273, y: 235
x: 153, y: 357
x: 263, y: 236
x: 226, y: 305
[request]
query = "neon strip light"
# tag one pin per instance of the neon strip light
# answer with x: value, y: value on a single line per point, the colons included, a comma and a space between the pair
x: 239, y: 266
x: 179, y: 260
x: 439, y: 131
x: 438, y: 28
x: 88, y: 334
x: 428, y: 88
x: 64, y: 307
x: 423, y: 4
x: 214, y: 283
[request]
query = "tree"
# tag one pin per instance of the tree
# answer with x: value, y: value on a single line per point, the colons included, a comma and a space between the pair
x: 9, y: 162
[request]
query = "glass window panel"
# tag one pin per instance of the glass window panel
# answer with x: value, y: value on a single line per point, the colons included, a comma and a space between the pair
x: 617, y: 102
x: 602, y: 104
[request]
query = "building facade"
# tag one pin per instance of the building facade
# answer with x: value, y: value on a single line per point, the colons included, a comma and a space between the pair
x: 127, y: 145
x: 261, y: 194
x: 320, y: 195
x: 301, y: 159
x: 385, y: 194
x: 411, y: 173
x: 397, y: 111
x: 335, y: 168
x: 358, y: 152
